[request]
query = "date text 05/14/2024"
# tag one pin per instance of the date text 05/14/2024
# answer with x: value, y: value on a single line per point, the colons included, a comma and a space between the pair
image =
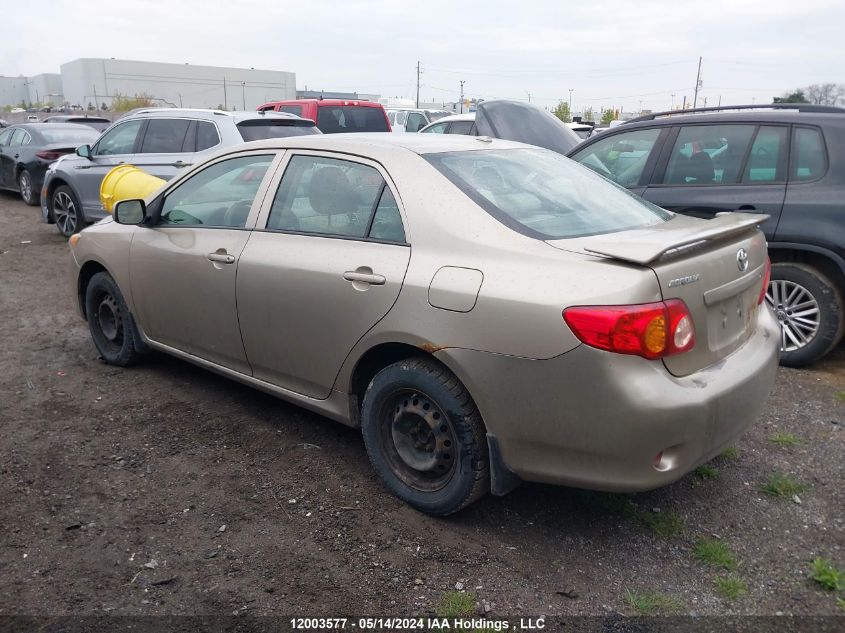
x: 423, y: 624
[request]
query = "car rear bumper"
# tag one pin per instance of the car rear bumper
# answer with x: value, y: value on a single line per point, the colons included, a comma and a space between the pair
x: 593, y: 419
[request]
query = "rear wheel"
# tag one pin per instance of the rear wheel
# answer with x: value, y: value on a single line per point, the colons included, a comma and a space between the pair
x: 110, y: 322
x: 66, y: 211
x: 26, y: 188
x: 424, y: 436
x: 810, y: 310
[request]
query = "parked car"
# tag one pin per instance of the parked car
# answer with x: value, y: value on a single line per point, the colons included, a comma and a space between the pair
x: 452, y: 124
x: 786, y: 161
x: 513, y: 121
x: 32, y: 118
x: 335, y: 115
x: 583, y: 130
x: 162, y: 142
x: 412, y: 119
x: 4, y: 123
x: 485, y: 311
x: 96, y: 122
x: 27, y: 149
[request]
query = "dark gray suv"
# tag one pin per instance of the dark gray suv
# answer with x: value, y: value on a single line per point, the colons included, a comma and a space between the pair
x: 162, y: 142
x: 787, y: 161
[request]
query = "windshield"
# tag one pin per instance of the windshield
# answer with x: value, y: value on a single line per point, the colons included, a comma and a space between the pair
x: 333, y: 119
x: 258, y: 130
x: 79, y: 137
x: 543, y: 194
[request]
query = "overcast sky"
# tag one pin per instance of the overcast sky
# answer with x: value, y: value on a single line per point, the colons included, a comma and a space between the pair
x: 611, y: 54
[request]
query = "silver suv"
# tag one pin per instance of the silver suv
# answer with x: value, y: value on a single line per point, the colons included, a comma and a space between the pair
x: 162, y: 142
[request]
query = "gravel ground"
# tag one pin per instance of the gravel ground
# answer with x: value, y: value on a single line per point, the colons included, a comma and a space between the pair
x: 165, y: 489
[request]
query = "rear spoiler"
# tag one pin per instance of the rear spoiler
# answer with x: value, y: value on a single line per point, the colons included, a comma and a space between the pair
x: 644, y: 246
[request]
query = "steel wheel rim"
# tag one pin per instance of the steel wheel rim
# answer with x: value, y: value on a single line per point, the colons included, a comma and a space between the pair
x: 796, y: 310
x: 418, y: 440
x: 64, y: 212
x: 26, y: 187
x: 109, y: 322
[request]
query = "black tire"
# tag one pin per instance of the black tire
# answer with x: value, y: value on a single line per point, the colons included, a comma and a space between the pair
x: 66, y: 211
x: 27, y: 188
x: 111, y: 324
x: 417, y: 411
x: 830, y: 316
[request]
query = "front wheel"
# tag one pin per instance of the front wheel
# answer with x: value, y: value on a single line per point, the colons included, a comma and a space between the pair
x: 26, y: 188
x: 110, y: 322
x: 809, y: 308
x: 425, y: 437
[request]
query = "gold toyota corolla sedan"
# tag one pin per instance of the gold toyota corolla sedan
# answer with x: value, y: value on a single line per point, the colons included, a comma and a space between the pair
x: 485, y: 312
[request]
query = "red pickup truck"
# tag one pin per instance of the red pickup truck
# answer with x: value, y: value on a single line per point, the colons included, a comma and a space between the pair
x: 336, y: 115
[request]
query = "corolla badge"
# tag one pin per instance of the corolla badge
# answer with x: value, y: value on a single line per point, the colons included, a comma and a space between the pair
x: 683, y: 281
x: 742, y: 260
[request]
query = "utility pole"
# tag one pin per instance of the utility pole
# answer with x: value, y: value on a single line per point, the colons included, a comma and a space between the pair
x: 529, y: 96
x: 243, y: 93
x: 571, y: 90
x: 697, y: 84
x: 418, y: 83
x: 720, y: 101
x: 705, y: 102
x: 684, y: 107
x: 462, y: 95
x: 225, y: 102
x: 673, y: 101
x: 96, y: 100
x: 641, y: 107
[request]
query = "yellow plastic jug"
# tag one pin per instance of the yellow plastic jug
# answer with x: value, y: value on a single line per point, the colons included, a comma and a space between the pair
x: 127, y: 182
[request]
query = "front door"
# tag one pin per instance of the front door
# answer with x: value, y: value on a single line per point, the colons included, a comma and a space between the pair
x: 326, y: 264
x: 184, y: 268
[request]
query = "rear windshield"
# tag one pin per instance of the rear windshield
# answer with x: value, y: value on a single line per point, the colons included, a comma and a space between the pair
x: 334, y: 119
x: 259, y: 130
x: 544, y: 195
x: 80, y: 137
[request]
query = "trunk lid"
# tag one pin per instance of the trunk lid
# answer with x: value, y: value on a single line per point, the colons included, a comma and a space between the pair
x: 715, y: 266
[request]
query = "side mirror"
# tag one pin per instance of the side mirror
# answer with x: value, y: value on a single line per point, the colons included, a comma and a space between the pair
x: 84, y: 151
x: 130, y: 212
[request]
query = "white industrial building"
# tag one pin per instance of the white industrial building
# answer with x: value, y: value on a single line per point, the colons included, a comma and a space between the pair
x: 46, y: 88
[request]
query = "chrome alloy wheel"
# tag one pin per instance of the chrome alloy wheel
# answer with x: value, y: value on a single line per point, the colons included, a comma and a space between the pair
x: 797, y: 312
x: 64, y: 212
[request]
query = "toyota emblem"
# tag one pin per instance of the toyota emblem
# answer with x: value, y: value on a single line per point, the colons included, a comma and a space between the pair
x: 742, y: 260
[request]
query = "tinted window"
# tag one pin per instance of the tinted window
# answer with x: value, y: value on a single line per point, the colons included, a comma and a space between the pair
x: 808, y: 154
x: 207, y: 135
x: 387, y: 223
x: 764, y: 161
x: 708, y: 154
x: 291, y: 109
x: 260, y: 129
x: 440, y: 128
x: 18, y: 137
x: 220, y: 195
x: 543, y: 194
x: 325, y: 196
x: 77, y: 136
x: 333, y: 119
x: 120, y: 139
x: 165, y: 136
x: 6, y: 136
x: 517, y: 121
x: 460, y: 127
x: 621, y: 157
x: 434, y: 115
x: 416, y: 122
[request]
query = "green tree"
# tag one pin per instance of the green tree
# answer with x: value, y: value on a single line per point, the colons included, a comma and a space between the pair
x: 794, y: 97
x: 608, y: 116
x: 562, y: 112
x: 91, y: 106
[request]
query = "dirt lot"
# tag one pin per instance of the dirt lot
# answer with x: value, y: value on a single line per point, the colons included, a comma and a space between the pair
x: 165, y: 489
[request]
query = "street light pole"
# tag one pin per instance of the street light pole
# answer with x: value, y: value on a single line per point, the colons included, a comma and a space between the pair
x: 462, y: 95
x: 571, y: 90
x: 243, y: 93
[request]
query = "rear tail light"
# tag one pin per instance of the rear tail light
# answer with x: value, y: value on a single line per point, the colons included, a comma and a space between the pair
x: 650, y: 330
x: 48, y: 155
x: 767, y: 276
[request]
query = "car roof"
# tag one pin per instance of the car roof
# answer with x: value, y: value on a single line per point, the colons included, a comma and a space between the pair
x: 326, y: 102
x: 210, y: 115
x: 466, y: 116
x: 37, y: 127
x: 77, y: 117
x: 742, y: 114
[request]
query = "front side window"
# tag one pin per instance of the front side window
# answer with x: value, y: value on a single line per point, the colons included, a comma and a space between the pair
x: 326, y: 196
x: 542, y: 194
x: 220, y: 195
x: 165, y: 136
x: 120, y: 139
x: 765, y: 160
x: 6, y: 136
x: 621, y: 157
x: 808, y: 154
x: 460, y: 127
x: 708, y: 155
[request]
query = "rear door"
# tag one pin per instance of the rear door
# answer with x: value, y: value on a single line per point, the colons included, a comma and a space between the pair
x: 325, y: 263
x: 167, y: 147
x: 7, y: 162
x: 706, y: 169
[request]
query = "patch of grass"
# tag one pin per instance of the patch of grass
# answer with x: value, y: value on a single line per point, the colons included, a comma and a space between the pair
x: 456, y: 604
x: 651, y: 602
x: 665, y: 524
x: 731, y: 452
x: 730, y: 587
x: 827, y: 575
x: 840, y: 602
x: 840, y: 395
x: 715, y: 553
x: 785, y: 439
x: 703, y: 473
x: 781, y: 486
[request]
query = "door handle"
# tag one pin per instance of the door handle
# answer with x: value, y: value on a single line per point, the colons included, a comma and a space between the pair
x: 747, y: 207
x: 367, y: 278
x: 221, y: 258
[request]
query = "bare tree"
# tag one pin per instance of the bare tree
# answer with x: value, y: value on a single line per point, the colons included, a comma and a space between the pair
x: 825, y: 94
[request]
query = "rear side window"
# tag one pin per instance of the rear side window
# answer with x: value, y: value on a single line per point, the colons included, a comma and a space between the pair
x: 334, y: 119
x: 18, y: 137
x: 440, y: 128
x: 165, y: 136
x: 621, y: 157
x: 387, y: 223
x: 291, y: 109
x: 260, y: 129
x: 207, y: 135
x: 765, y: 162
x: 460, y: 127
x: 809, y: 160
x: 708, y: 154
